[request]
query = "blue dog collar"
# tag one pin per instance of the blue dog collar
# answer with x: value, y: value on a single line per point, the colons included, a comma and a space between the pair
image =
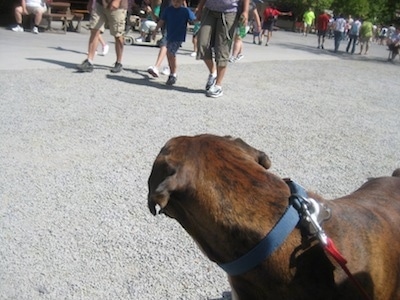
x: 274, y: 238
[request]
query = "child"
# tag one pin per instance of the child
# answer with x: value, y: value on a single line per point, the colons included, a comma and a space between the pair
x: 196, y: 28
x: 175, y: 17
x: 256, y: 31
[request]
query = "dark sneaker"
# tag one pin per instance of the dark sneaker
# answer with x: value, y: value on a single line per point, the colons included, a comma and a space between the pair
x: 117, y: 68
x: 171, y: 80
x: 214, y: 92
x: 210, y: 81
x: 85, y: 66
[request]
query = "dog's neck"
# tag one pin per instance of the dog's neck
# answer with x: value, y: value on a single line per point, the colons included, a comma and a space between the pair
x: 229, y: 228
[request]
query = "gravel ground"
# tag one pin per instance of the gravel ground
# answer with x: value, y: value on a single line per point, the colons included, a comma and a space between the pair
x: 76, y: 151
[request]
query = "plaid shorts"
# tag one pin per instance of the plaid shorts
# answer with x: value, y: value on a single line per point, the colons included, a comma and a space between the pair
x: 173, y: 47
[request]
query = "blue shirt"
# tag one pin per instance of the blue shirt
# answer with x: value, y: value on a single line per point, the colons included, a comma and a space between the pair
x: 176, y: 22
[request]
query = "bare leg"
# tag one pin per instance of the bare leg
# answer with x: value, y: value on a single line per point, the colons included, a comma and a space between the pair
x: 18, y: 14
x: 366, y: 48
x: 269, y: 35
x: 262, y: 35
x: 237, y: 46
x: 161, y: 55
x: 93, y: 42
x: 220, y: 75
x: 38, y: 18
x: 101, y: 41
x: 119, y: 47
x: 195, y: 44
x: 172, y: 62
x: 211, y: 66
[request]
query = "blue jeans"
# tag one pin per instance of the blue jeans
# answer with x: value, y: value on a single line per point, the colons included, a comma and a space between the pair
x: 338, y: 39
x: 353, y: 39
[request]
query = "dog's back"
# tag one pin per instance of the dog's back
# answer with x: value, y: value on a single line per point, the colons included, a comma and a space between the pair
x: 365, y: 226
x: 221, y: 191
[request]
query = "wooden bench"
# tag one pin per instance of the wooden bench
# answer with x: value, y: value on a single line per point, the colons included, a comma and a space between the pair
x: 60, y: 11
x: 79, y: 15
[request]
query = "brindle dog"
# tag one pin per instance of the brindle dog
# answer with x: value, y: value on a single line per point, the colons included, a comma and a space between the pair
x: 220, y: 190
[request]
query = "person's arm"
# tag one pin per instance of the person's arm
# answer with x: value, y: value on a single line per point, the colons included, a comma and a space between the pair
x: 23, y: 5
x: 160, y: 24
x: 289, y: 13
x: 89, y: 5
x: 114, y: 5
x: 154, y: 13
x: 256, y: 17
x: 244, y: 17
x: 199, y: 9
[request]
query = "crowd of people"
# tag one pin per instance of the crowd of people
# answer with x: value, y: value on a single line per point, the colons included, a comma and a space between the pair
x: 219, y: 27
x: 355, y: 31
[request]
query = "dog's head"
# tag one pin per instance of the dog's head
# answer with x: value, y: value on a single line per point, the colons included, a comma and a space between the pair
x: 219, y: 190
x: 185, y: 165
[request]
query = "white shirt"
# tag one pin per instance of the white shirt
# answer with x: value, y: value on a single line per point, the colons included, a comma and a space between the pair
x: 34, y: 3
x: 340, y: 24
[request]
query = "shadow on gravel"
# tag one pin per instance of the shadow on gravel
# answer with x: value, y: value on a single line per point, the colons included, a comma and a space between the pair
x: 67, y: 50
x: 68, y: 65
x: 225, y: 296
x: 148, y: 81
x: 342, y: 54
x: 55, y: 62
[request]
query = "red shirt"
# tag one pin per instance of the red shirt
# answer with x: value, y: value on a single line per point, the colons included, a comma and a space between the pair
x: 270, y: 12
x: 322, y: 22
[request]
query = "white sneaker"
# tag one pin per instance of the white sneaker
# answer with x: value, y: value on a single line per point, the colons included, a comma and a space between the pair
x: 214, y: 92
x: 166, y: 71
x: 239, y: 57
x: 35, y: 30
x: 232, y: 59
x: 106, y: 48
x: 193, y: 54
x: 210, y: 81
x: 139, y: 40
x: 153, y: 71
x: 17, y: 29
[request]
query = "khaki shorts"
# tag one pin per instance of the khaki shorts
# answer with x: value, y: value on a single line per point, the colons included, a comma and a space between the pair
x: 365, y: 40
x: 216, y: 31
x: 114, y: 18
x: 36, y: 9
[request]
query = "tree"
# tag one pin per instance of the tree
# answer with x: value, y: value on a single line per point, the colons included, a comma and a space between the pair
x: 378, y: 11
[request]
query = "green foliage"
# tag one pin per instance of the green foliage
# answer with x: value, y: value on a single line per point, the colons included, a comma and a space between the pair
x: 378, y: 11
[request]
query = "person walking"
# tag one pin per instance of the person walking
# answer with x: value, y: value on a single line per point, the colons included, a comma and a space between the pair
x: 219, y: 20
x: 366, y: 32
x: 114, y: 13
x: 162, y: 43
x: 339, y: 27
x: 270, y: 15
x: 238, y: 43
x: 353, y: 35
x: 322, y: 27
x: 175, y: 17
x: 308, y: 21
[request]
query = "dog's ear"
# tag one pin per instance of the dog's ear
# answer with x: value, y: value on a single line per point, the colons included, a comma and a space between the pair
x: 258, y: 155
x: 167, y: 176
x: 160, y: 196
x: 396, y: 173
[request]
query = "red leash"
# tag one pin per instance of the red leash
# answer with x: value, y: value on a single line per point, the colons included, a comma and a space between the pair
x: 334, y: 252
